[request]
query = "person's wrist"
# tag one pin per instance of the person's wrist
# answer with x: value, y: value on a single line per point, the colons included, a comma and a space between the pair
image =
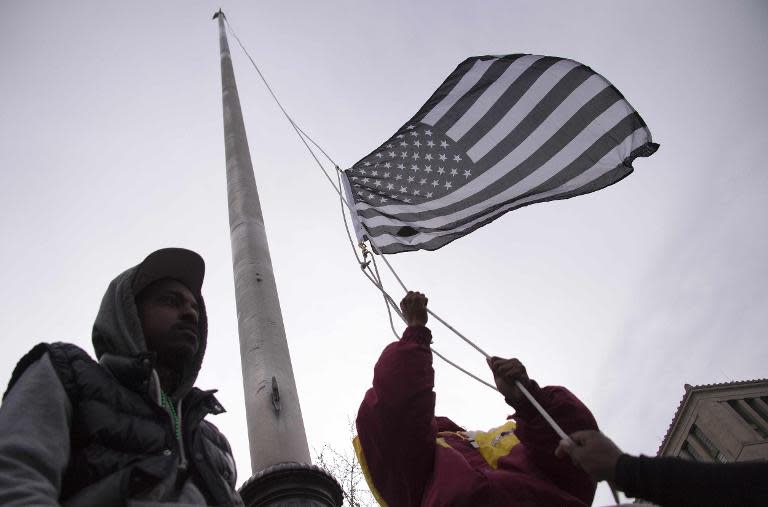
x: 616, y: 472
x: 420, y: 334
x: 516, y: 400
x: 416, y: 320
x: 520, y: 402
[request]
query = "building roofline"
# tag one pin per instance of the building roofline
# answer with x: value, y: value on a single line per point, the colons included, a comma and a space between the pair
x: 689, y: 392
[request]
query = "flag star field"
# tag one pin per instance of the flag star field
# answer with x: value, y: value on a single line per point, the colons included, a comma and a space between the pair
x: 417, y: 165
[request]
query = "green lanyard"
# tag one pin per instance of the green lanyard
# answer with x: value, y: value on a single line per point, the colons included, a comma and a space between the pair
x: 168, y: 403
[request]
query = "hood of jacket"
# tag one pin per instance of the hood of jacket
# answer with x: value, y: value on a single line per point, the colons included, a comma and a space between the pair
x: 117, y: 328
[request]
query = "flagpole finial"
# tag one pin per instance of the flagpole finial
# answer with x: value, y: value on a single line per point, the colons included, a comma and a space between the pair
x: 219, y: 13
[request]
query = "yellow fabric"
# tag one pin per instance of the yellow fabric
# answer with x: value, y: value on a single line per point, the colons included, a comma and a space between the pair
x: 495, y: 443
x: 492, y: 445
x: 366, y: 472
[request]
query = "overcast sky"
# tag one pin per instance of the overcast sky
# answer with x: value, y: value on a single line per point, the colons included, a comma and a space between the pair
x: 111, y: 146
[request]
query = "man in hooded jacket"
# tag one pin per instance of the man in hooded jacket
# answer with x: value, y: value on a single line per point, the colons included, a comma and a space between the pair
x: 128, y: 430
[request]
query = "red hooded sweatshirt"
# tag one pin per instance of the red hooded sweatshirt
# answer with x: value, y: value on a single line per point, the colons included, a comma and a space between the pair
x: 412, y: 458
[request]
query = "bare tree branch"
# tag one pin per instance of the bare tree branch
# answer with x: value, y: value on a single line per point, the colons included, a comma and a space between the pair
x: 344, y: 466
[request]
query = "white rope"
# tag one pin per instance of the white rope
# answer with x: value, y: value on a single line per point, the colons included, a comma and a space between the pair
x: 298, y: 130
x: 443, y: 322
x: 553, y: 424
x: 346, y: 224
x: 543, y: 412
x: 390, y: 301
x: 438, y: 354
x: 387, y: 299
x: 376, y: 280
x: 302, y: 135
x: 519, y: 385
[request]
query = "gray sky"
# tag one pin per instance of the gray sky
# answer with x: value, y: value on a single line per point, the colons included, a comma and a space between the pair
x: 111, y: 146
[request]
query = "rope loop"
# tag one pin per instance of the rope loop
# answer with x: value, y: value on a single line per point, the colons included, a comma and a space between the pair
x: 364, y: 249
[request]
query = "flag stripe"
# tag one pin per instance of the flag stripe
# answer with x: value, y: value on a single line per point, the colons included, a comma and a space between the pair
x: 491, y: 76
x: 564, y: 100
x: 567, y: 143
x: 490, y: 96
x: 508, y: 99
x: 626, y: 151
x: 527, y: 102
x: 629, y: 129
x: 465, y: 84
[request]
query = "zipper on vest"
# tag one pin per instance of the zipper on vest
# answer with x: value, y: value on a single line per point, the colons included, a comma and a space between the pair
x: 180, y: 439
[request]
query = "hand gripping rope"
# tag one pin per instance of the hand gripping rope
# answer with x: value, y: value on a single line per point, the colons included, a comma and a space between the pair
x: 373, y: 274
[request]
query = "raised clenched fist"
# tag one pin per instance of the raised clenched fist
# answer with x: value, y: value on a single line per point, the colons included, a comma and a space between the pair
x: 505, y: 373
x: 414, y: 307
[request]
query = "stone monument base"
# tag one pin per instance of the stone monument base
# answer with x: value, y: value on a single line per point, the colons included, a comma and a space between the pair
x: 292, y: 485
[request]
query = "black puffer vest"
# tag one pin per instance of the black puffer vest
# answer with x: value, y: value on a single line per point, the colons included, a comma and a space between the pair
x: 122, y: 443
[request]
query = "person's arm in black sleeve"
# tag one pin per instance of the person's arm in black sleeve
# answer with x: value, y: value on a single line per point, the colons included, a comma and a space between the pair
x: 669, y: 482
x: 679, y: 482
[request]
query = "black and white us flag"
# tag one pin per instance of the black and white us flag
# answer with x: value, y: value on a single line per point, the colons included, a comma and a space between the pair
x: 500, y: 133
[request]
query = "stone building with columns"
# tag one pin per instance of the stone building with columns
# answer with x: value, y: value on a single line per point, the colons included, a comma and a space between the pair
x: 725, y: 423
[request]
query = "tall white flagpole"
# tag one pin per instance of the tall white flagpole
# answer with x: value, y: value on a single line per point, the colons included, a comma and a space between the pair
x: 280, y: 459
